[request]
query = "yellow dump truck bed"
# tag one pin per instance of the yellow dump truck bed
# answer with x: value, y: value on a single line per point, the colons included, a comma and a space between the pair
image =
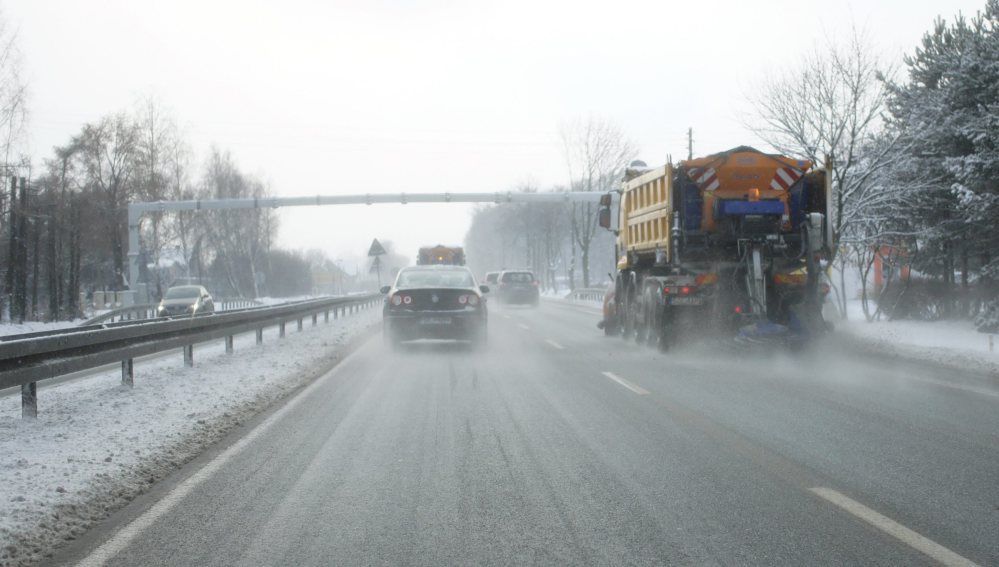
x: 647, y: 212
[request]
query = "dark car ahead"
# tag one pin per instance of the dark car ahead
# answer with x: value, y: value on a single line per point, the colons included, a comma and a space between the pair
x: 518, y: 286
x: 185, y: 300
x: 435, y: 302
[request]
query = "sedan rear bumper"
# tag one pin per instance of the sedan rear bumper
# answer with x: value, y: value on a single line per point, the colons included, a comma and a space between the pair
x: 412, y: 325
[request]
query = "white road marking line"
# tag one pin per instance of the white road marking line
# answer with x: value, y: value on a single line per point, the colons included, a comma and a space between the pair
x: 637, y: 389
x: 892, y: 528
x: 523, y: 326
x: 972, y: 389
x: 554, y: 344
x: 505, y: 316
x: 120, y: 540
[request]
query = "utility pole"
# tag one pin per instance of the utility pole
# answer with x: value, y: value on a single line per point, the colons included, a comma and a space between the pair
x: 12, y: 250
x: 690, y: 143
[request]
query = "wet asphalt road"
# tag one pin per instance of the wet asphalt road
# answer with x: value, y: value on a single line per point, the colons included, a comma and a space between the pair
x: 557, y: 445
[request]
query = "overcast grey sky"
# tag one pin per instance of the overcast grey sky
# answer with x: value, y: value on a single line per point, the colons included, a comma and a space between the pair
x: 388, y: 96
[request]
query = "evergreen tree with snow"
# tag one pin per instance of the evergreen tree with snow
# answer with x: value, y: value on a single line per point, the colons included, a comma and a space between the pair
x: 947, y: 115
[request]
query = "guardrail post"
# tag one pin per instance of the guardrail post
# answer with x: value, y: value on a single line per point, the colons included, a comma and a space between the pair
x: 260, y: 336
x: 29, y: 400
x: 189, y: 355
x: 300, y: 324
x: 326, y: 316
x: 228, y: 344
x: 128, y: 372
x: 315, y: 319
x: 281, y: 330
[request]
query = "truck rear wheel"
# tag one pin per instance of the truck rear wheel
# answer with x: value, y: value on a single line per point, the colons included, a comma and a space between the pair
x: 630, y: 315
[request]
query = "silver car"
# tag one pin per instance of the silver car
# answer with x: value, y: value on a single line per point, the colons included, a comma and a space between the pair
x: 185, y: 300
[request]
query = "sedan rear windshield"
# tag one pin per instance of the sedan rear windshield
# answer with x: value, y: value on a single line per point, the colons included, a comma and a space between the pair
x: 183, y: 293
x: 435, y: 278
x: 518, y: 277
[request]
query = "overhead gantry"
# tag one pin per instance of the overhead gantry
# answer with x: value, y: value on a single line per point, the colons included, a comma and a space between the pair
x: 137, y: 210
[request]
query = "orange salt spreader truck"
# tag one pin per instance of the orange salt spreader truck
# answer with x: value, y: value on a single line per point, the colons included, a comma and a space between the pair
x: 733, y: 243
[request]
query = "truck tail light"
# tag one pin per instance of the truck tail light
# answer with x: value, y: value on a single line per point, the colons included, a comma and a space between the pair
x: 738, y: 309
x: 685, y: 290
x: 705, y: 279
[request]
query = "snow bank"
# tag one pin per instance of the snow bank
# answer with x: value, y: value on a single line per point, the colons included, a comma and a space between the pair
x: 97, y: 444
x: 950, y: 343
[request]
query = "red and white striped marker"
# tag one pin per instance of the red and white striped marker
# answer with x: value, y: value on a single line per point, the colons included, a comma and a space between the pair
x: 706, y: 180
x: 785, y: 178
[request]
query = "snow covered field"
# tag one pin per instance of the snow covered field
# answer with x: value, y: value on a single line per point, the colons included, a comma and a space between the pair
x: 97, y: 444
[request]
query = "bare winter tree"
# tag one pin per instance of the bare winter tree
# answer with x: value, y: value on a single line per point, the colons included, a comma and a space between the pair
x: 183, y: 228
x: 596, y: 152
x: 13, y: 92
x: 13, y: 95
x: 239, y: 238
x: 157, y: 136
x: 109, y: 150
x: 830, y: 104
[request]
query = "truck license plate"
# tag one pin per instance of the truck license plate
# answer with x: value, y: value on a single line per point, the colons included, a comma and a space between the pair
x: 686, y: 301
x: 435, y: 321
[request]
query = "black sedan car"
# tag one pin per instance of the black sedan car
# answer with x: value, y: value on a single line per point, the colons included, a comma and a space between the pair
x: 435, y: 302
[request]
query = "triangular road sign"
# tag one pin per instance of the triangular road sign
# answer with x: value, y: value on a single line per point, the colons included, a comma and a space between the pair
x: 376, y: 248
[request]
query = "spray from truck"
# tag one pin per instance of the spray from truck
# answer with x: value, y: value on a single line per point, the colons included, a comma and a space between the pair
x: 732, y: 243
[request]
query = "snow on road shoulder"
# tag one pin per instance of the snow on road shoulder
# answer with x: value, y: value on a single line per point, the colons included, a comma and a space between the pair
x: 97, y: 444
x: 950, y: 343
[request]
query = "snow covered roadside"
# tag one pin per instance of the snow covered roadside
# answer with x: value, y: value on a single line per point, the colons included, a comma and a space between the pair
x: 953, y: 344
x: 947, y: 344
x: 97, y: 444
x: 35, y: 326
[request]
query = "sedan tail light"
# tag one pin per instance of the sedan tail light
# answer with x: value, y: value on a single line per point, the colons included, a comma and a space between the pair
x: 397, y: 300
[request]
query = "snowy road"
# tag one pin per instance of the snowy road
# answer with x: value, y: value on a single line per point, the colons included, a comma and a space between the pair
x: 558, y: 445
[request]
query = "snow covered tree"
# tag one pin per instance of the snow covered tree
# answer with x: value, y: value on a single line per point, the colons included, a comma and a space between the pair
x: 947, y: 113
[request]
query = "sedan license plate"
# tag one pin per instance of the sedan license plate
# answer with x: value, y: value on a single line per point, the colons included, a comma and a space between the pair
x: 686, y: 301
x: 435, y: 321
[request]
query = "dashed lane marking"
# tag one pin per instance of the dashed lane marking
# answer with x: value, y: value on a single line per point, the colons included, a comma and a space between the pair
x: 554, y: 344
x: 892, y: 528
x: 634, y: 388
x: 523, y: 326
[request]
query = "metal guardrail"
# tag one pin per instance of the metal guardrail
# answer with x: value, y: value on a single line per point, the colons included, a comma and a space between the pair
x: 25, y: 359
x: 148, y: 310
x: 130, y: 313
x: 587, y: 294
